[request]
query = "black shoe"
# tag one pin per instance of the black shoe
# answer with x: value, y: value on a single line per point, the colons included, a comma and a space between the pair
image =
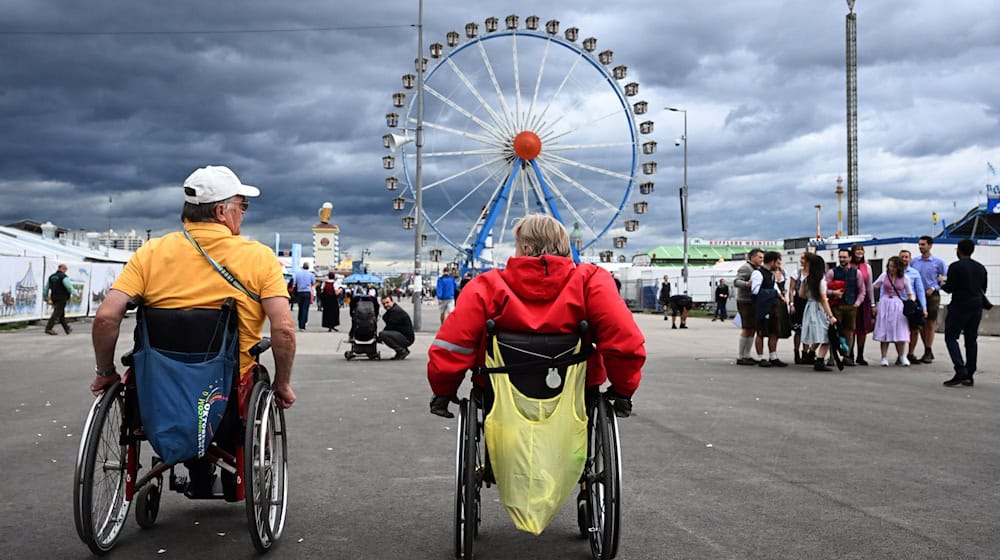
x: 967, y: 381
x: 683, y: 326
x: 958, y: 379
x: 201, y: 480
x: 228, y: 485
x: 666, y: 318
x: 763, y: 363
x: 849, y: 361
x: 746, y: 362
x: 69, y: 329
x: 778, y: 363
x: 819, y: 365
x: 861, y: 361
x: 673, y: 326
x: 402, y: 354
x: 51, y: 332
x: 913, y: 359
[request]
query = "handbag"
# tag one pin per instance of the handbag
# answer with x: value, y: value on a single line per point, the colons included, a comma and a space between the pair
x: 911, y: 308
x: 183, y: 396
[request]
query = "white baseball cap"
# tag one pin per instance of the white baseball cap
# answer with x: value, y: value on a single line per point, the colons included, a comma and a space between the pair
x: 213, y: 183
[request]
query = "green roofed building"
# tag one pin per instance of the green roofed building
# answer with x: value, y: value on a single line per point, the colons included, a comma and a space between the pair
x: 699, y: 254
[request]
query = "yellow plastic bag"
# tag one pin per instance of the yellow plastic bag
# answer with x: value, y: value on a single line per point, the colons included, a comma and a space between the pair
x: 537, y: 447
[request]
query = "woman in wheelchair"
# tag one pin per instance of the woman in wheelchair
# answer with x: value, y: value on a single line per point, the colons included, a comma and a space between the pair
x: 541, y: 336
x: 541, y: 290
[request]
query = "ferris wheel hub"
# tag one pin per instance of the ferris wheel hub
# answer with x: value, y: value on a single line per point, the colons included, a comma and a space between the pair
x: 527, y: 145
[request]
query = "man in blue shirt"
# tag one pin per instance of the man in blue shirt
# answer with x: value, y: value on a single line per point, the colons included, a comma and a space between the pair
x: 932, y: 272
x: 446, y: 287
x: 304, y: 282
x: 917, y: 284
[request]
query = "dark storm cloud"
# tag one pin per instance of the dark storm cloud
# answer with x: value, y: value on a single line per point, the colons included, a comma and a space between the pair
x: 123, y: 99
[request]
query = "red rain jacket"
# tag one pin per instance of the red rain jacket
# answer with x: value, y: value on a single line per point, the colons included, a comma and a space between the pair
x: 546, y: 294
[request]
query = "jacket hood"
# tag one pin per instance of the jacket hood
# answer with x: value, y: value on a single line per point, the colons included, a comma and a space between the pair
x: 538, y: 278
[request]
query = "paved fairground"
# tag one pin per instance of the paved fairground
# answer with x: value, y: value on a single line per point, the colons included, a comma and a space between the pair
x: 720, y: 461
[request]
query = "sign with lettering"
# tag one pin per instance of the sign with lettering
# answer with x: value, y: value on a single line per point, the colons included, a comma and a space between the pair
x: 992, y: 199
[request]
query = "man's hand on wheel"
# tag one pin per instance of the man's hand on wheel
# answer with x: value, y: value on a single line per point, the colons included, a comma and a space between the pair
x: 283, y: 394
x: 621, y: 404
x: 439, y: 405
x: 100, y: 383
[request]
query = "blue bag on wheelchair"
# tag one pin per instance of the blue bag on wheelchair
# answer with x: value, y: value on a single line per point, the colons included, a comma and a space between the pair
x: 184, y: 382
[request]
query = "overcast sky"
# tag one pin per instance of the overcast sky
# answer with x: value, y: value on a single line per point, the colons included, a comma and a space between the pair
x: 124, y: 99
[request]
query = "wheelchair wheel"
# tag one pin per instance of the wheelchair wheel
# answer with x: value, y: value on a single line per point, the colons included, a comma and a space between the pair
x: 603, y: 482
x: 147, y: 503
x: 100, y: 508
x: 265, y: 476
x: 468, y: 478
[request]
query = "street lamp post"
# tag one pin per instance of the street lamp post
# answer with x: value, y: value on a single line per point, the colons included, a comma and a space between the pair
x: 684, y: 196
x: 419, y: 188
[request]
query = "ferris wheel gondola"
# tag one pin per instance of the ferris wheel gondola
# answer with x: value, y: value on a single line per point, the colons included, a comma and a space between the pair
x: 520, y: 120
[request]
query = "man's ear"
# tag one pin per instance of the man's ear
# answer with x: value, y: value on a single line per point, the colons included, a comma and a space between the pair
x: 219, y: 210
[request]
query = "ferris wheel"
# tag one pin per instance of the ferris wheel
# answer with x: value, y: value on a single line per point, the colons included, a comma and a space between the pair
x: 519, y: 121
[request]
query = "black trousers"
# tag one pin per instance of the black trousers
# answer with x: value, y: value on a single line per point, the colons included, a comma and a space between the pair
x: 963, y: 319
x: 58, y: 315
x: 395, y: 340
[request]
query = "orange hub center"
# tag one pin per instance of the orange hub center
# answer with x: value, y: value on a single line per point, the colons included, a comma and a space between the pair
x: 527, y: 145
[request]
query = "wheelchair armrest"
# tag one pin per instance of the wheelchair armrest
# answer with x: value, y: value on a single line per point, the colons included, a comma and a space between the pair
x: 263, y: 346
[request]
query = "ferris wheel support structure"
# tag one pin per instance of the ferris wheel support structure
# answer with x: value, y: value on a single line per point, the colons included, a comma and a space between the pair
x: 501, y: 201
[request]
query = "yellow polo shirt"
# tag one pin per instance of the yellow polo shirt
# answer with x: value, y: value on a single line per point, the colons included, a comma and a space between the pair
x: 169, y: 272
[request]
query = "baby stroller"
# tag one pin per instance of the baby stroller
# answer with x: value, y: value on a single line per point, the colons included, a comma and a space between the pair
x: 364, y: 328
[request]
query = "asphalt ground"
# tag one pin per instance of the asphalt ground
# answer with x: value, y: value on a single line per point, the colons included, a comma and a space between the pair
x: 720, y: 461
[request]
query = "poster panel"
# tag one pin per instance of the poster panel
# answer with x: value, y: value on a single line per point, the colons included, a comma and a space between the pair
x: 102, y: 276
x: 79, y: 274
x: 21, y: 288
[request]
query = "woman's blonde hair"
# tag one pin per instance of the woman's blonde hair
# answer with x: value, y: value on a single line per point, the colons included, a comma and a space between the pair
x: 542, y: 235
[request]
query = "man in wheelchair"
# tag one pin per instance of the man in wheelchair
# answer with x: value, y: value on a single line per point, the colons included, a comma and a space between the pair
x: 540, y: 302
x: 185, y: 276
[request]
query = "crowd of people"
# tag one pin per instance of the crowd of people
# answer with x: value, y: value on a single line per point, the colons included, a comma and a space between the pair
x: 824, y: 310
x: 835, y: 308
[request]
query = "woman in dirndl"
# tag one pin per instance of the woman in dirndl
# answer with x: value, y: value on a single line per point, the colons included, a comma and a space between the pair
x: 866, y: 312
x: 783, y: 323
x: 890, y: 323
x: 816, y: 317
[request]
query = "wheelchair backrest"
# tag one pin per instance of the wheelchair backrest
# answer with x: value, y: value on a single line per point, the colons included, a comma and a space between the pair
x: 531, y: 360
x: 190, y: 331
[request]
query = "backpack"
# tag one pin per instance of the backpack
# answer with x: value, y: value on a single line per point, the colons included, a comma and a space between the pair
x: 328, y: 288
